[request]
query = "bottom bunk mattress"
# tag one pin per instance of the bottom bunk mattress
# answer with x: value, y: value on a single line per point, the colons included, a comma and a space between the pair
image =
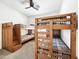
x: 58, y: 46
x: 26, y: 38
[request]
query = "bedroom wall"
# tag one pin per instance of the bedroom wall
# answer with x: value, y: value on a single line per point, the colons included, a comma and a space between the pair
x: 68, y: 6
x: 8, y: 14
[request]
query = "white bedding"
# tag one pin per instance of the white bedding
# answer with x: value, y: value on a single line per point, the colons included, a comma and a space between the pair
x: 26, y: 37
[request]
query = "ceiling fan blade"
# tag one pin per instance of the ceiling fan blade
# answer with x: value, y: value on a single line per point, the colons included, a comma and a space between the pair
x: 27, y: 7
x: 31, y: 3
x: 36, y: 8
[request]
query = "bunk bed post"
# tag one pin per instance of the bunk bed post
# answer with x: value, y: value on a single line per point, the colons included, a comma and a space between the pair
x: 36, y: 52
x: 73, y: 36
x: 51, y: 37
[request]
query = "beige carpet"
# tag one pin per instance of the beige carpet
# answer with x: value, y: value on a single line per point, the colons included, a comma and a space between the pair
x: 26, y: 52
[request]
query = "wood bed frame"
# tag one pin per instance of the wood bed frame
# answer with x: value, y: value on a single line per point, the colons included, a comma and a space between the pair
x: 72, y: 18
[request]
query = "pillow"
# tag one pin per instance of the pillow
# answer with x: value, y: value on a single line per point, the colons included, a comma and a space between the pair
x: 30, y: 30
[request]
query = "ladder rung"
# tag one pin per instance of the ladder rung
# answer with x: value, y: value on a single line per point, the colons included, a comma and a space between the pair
x: 39, y: 37
x: 43, y: 47
x: 40, y: 42
x: 44, y: 51
x: 42, y: 32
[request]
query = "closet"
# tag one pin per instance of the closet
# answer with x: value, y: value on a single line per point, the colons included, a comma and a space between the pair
x: 11, y: 36
x: 48, y: 46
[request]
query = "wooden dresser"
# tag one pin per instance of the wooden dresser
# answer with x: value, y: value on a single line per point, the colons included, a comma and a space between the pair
x: 11, y: 37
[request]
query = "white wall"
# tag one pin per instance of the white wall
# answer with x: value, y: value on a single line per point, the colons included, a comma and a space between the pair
x: 10, y: 15
x: 65, y: 34
x: 68, y: 6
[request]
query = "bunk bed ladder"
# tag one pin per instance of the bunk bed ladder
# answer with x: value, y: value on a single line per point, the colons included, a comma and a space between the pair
x: 39, y: 44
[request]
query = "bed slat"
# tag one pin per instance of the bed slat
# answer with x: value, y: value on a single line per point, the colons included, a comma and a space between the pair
x: 39, y: 37
x: 43, y: 27
x: 40, y: 42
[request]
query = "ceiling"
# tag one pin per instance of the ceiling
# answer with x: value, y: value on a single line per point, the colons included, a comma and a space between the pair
x: 46, y: 6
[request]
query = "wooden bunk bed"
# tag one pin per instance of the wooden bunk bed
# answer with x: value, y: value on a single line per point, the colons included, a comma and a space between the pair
x: 27, y: 34
x: 45, y: 42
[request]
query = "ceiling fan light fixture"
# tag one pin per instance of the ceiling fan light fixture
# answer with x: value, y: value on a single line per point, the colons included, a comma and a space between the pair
x: 37, y: 6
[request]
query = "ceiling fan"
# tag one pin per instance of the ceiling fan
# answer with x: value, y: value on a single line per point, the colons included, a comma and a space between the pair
x: 33, y: 5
